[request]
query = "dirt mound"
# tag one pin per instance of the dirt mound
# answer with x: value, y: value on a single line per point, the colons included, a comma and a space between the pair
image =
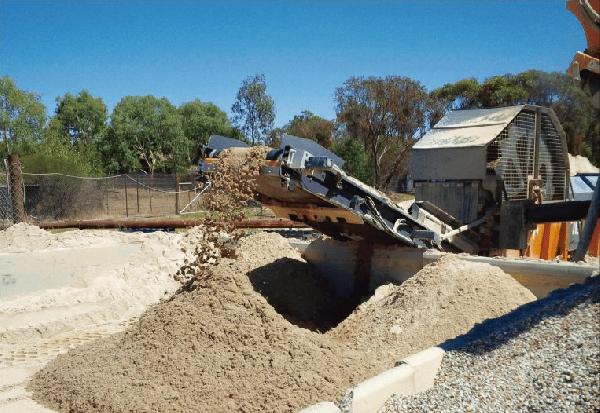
x: 26, y: 237
x: 225, y: 341
x: 443, y: 300
x: 219, y: 347
x: 580, y: 164
x: 23, y: 235
x: 115, y: 277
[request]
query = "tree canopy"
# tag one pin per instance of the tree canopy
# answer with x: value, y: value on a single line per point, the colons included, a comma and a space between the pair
x: 22, y: 116
x: 387, y: 115
x: 202, y: 119
x: 253, y: 109
x: 310, y: 126
x: 81, y: 117
x: 357, y: 163
x: 145, y: 133
x: 377, y: 121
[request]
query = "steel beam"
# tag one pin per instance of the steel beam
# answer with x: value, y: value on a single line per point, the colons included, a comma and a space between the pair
x: 165, y: 223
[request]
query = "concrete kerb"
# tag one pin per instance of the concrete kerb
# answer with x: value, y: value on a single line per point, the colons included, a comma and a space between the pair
x: 414, y: 374
x: 322, y: 407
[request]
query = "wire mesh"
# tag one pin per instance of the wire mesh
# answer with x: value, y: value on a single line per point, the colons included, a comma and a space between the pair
x: 6, y: 214
x: 510, y: 155
x: 51, y: 197
x: 552, y: 161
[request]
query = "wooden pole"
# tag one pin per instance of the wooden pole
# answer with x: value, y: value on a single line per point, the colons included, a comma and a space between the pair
x: 177, y: 194
x: 137, y: 195
x: 17, y: 197
x: 126, y: 200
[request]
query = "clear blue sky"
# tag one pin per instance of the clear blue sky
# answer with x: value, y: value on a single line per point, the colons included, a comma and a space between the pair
x: 203, y: 49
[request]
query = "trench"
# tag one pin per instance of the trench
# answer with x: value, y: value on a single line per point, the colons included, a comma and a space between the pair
x: 298, y: 292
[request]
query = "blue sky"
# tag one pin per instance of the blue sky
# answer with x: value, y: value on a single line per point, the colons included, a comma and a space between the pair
x: 203, y: 49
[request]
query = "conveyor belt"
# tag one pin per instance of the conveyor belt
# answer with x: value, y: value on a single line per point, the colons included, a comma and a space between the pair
x: 313, y: 189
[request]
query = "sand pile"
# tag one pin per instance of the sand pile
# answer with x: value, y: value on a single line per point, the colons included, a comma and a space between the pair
x: 580, y: 164
x: 221, y: 345
x: 443, y: 300
x: 218, y: 347
x: 26, y: 237
x: 114, y: 277
x: 23, y: 235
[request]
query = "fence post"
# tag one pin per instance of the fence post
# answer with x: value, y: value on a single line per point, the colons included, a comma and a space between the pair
x: 17, y: 197
x: 126, y: 200
x: 177, y: 194
x: 150, y: 192
x: 137, y: 194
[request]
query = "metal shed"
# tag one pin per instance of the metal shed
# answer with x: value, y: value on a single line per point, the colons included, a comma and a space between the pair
x: 472, y: 158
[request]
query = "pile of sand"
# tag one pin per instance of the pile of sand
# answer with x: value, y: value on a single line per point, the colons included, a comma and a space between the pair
x: 580, y: 164
x: 26, y: 237
x: 23, y: 235
x: 222, y: 346
x: 443, y: 300
x: 218, y: 347
x: 90, y: 291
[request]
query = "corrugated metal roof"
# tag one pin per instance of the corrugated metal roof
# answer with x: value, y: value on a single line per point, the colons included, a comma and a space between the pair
x: 463, y: 128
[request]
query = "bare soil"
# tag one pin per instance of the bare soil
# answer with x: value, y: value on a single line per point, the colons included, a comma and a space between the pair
x: 443, y: 300
x: 218, y: 347
x: 221, y: 345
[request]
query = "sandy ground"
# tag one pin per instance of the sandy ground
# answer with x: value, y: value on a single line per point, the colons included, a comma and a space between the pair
x: 252, y: 329
x: 58, y: 291
x: 235, y: 339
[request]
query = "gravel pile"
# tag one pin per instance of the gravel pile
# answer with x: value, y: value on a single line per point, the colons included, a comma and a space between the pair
x: 543, y: 357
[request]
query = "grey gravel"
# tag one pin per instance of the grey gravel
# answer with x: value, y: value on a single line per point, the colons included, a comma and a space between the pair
x: 542, y: 357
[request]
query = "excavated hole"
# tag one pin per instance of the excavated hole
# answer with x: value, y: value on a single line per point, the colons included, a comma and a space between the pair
x: 297, y: 291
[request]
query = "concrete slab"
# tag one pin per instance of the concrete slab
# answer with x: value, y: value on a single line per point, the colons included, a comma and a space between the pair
x: 395, y: 264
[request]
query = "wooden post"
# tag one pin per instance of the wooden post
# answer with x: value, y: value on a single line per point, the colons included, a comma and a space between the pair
x: 17, y: 197
x: 177, y: 194
x: 126, y: 200
x: 137, y: 195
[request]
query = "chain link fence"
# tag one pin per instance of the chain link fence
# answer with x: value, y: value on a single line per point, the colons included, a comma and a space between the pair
x: 51, y: 197
x: 6, y: 213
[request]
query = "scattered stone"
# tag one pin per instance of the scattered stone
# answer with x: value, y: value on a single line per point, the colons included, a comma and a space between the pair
x: 543, y: 357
